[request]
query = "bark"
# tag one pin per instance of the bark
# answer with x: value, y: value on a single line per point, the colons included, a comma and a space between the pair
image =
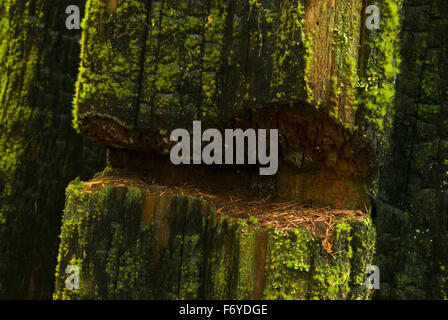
x: 303, y: 67
x: 131, y: 241
x: 412, y: 206
x: 148, y: 67
x: 40, y: 152
x: 152, y: 65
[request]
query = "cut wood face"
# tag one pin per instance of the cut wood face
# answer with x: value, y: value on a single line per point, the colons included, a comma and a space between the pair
x: 151, y: 65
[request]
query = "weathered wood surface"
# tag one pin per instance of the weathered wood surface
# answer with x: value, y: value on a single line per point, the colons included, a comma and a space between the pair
x: 133, y: 242
x: 150, y: 65
x: 39, y: 151
x: 412, y: 204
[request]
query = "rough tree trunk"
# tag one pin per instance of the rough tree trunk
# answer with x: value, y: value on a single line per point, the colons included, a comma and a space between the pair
x: 39, y: 151
x: 151, y: 66
x: 148, y: 67
x: 132, y: 240
x: 350, y: 130
x: 412, y: 206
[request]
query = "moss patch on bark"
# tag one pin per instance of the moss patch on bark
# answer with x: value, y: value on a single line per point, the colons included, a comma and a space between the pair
x: 130, y: 242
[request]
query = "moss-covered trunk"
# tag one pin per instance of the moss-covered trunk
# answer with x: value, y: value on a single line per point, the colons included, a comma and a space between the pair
x: 132, y: 240
x: 39, y: 151
x: 300, y: 66
x: 151, y: 65
x: 412, y: 206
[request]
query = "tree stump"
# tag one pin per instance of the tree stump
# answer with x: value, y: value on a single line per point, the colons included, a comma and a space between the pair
x: 133, y: 240
x: 151, y: 65
x: 302, y: 67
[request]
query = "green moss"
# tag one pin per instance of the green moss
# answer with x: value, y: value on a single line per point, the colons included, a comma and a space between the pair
x: 246, y: 239
x: 208, y: 61
x: 345, y: 51
x: 363, y: 240
x: 253, y: 221
x: 288, y: 264
x: 290, y: 48
x: 383, y: 62
x: 110, y: 60
x: 39, y: 151
x: 133, y: 244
